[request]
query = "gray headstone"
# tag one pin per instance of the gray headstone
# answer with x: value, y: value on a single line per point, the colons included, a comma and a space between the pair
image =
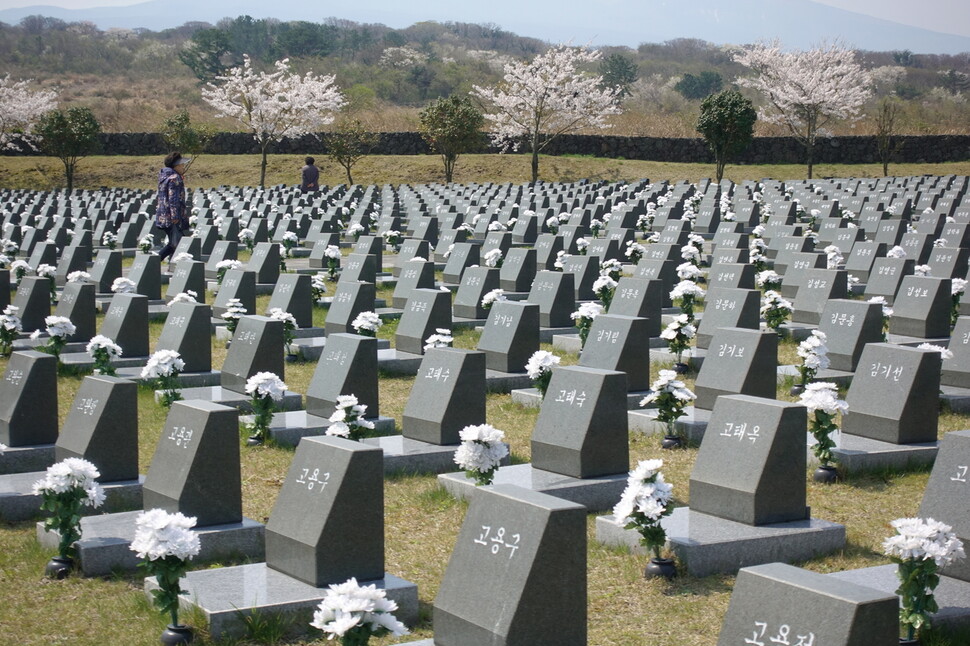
x: 779, y: 603
x: 553, y: 292
x: 318, y: 258
x: 350, y: 299
x: 221, y: 250
x: 371, y: 246
x: 894, y: 396
x: 860, y: 260
x: 34, y: 300
x: 188, y: 331
x: 292, y: 294
x: 126, y: 323
x: 77, y: 303
x: 146, y: 273
x: 639, y: 297
x: 723, y: 307
x: 887, y: 275
x: 414, y: 275
x: 945, y: 497
x: 475, y: 283
x: 848, y: 326
x: 237, y: 283
x: 662, y: 270
x: 328, y: 521
x: 102, y: 427
x: 359, y: 267
x: 739, y: 362
x: 732, y: 276
x: 621, y: 343
x: 751, y: 465
x: 28, y: 400
x: 463, y: 255
x: 265, y: 262
x: 585, y: 271
x: 510, y: 335
x: 581, y: 431
x: 426, y: 311
x: 547, y: 246
x: 795, y: 275
x: 107, y: 267
x: 257, y: 346
x: 517, y: 575
x: 195, y: 469
x: 518, y: 270
x: 412, y: 248
x: 956, y: 370
x: 922, y: 307
x: 819, y: 287
x: 189, y: 275
x: 348, y: 366
x: 448, y: 394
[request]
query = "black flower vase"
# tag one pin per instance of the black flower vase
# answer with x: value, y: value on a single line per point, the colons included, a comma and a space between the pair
x: 681, y: 368
x: 176, y: 635
x: 254, y: 440
x: 671, y: 442
x: 797, y: 389
x: 908, y: 642
x: 660, y: 568
x: 826, y: 474
x: 59, y: 567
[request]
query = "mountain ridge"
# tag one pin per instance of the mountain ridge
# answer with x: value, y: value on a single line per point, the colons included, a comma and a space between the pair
x: 743, y: 21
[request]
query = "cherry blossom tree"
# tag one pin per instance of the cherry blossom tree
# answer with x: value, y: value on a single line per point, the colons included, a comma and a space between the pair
x: 20, y: 110
x: 273, y: 105
x: 535, y: 102
x: 806, y: 90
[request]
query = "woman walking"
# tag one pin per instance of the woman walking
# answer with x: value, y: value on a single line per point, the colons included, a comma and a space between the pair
x: 171, y: 216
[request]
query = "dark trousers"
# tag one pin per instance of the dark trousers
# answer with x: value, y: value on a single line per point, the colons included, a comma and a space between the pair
x: 174, y: 236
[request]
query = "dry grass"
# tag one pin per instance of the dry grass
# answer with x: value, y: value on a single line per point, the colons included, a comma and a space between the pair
x: 215, y: 170
x: 421, y: 523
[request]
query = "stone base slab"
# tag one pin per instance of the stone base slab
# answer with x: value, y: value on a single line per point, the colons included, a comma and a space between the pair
x: 530, y: 397
x: 952, y: 595
x: 837, y: 377
x: 23, y: 459
x: 398, y: 363
x: 596, y: 494
x: 226, y: 596
x: 854, y: 453
x: 226, y: 397
x: 288, y: 427
x: 505, y: 382
x: 706, y: 545
x: 957, y: 399
x: 105, y: 541
x: 691, y: 426
x: 693, y: 358
x: 18, y: 501
x: 185, y: 380
x: 311, y: 348
x: 406, y: 455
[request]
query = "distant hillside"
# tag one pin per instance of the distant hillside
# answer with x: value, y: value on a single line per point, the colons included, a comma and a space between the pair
x: 609, y: 22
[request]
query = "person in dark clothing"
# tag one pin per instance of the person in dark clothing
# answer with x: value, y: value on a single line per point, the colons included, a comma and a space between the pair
x: 310, y: 177
x: 171, y: 215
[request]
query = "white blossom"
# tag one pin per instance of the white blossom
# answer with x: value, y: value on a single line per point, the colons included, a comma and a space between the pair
x: 163, y: 363
x: 101, y: 342
x: 20, y: 110
x: 188, y: 296
x: 159, y: 534
x: 122, y: 285
x: 823, y: 396
x: 266, y: 384
x: 348, y: 605
x: 69, y: 474
x: 369, y: 321
x: 78, y: 277
x: 944, y: 352
x: 923, y: 540
x: 441, y: 339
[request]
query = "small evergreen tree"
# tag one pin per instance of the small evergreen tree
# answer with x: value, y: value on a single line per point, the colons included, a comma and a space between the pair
x: 69, y: 136
x: 727, y: 124
x: 697, y: 87
x: 452, y: 126
x: 179, y: 134
x: 349, y: 143
x: 619, y: 72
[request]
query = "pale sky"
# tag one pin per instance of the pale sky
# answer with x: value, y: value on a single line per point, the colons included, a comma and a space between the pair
x: 949, y: 16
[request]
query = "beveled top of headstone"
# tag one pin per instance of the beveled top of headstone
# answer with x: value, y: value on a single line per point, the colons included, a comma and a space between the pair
x: 777, y: 604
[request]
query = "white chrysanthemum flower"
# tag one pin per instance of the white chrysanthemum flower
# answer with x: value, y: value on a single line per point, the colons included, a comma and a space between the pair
x: 442, y: 338
x: 368, y: 321
x: 348, y: 606
x: 266, y: 384
x: 163, y: 363
x: 823, y: 396
x: 72, y: 474
x: 101, y: 342
x: 541, y: 361
x: 160, y: 535
x: 188, y: 296
x: 923, y: 540
x: 944, y: 352
x: 122, y: 285
x: 78, y: 277
x: 588, y: 311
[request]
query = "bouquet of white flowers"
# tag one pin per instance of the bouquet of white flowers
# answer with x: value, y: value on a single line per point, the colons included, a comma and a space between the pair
x: 493, y: 258
x: 65, y: 488
x: 348, y: 419
x: 584, y: 317
x: 225, y: 265
x: 492, y: 297
x: 678, y: 335
x: 102, y: 349
x: 165, y: 542
x: 823, y: 403
x: 644, y: 502
x: 920, y: 548
x: 353, y: 613
x: 367, y: 323
x: 539, y: 368
x: 59, y: 330
x: 481, y: 452
x: 248, y: 238
x: 162, y: 371
x: 265, y: 390
x: 122, y: 285
x: 289, y: 324
x: 332, y: 254
x: 442, y: 338
x: 686, y: 293
x: 234, y: 311
x: 775, y: 309
x: 604, y: 287
x: 814, y: 354
x: 10, y: 329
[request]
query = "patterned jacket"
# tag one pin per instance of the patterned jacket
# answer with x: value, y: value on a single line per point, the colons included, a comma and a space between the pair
x: 171, y: 200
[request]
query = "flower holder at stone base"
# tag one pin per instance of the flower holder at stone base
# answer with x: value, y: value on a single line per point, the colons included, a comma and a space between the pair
x: 826, y: 474
x: 176, y: 635
x: 660, y: 568
x: 59, y: 567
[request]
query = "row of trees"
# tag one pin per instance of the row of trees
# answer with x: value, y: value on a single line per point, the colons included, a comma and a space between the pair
x: 534, y: 103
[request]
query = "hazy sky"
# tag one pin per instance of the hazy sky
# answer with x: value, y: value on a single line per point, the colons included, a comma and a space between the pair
x: 950, y: 16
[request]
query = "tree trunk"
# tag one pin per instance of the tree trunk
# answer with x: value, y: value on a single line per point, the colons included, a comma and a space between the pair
x: 535, y: 165
x: 810, y: 147
x: 720, y: 170
x: 69, y: 175
x: 350, y: 180
x: 450, y: 167
x: 885, y: 168
x: 262, y: 169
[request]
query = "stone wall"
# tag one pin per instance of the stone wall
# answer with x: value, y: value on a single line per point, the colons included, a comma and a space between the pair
x: 764, y: 150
